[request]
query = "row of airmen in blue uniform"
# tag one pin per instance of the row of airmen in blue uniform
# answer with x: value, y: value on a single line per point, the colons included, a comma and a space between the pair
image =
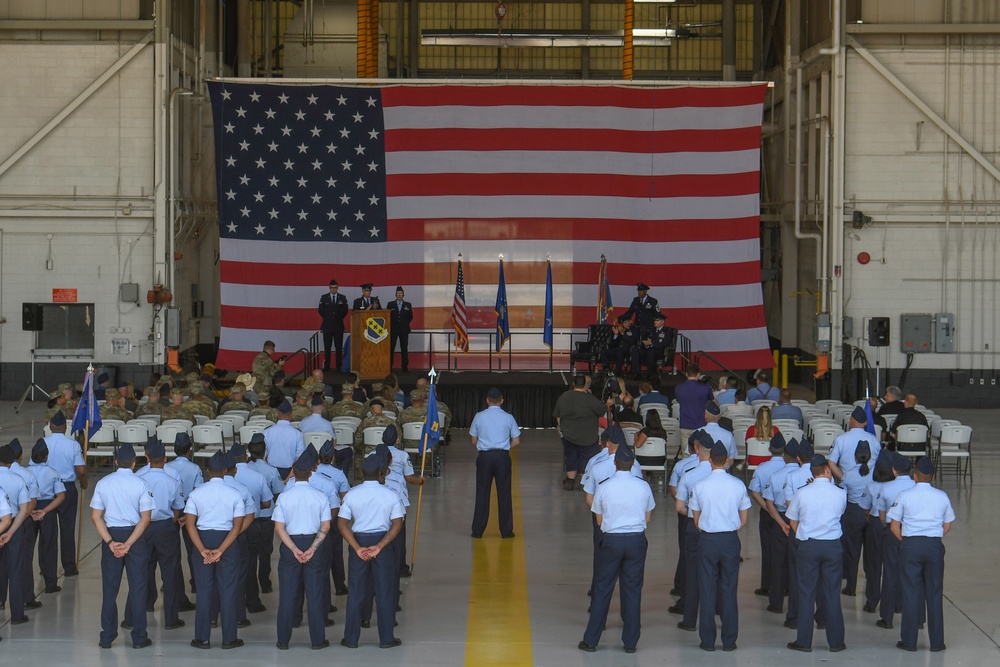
x: 811, y: 531
x: 138, y: 516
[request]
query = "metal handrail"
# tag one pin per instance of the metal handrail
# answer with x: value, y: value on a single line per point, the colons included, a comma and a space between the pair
x: 701, y: 353
x: 306, y: 363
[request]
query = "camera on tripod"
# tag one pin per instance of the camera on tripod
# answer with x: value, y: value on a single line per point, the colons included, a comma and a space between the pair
x: 612, y: 389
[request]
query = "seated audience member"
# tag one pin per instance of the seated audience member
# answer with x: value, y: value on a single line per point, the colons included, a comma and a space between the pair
x: 763, y: 391
x: 893, y: 405
x: 727, y: 396
x: 785, y: 410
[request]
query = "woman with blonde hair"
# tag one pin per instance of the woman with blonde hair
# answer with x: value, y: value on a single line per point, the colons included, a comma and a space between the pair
x: 763, y: 430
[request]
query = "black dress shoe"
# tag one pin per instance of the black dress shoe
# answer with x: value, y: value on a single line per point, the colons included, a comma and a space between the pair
x: 761, y: 592
x: 245, y: 623
x: 584, y: 646
x: 342, y: 591
x: 256, y: 610
x: 328, y: 623
x: 795, y: 646
x: 791, y: 625
x: 393, y: 644
x: 213, y: 624
x: 848, y: 593
x: 838, y: 649
x: 405, y: 572
x: 774, y: 610
x: 53, y: 589
x: 821, y: 626
x: 366, y: 624
x: 343, y: 642
x: 903, y: 646
x: 20, y: 621
x: 125, y: 625
x: 201, y: 643
x: 3, y: 605
x: 186, y: 606
x: 173, y: 626
x: 103, y: 645
x: 71, y: 573
x: 869, y: 609
x: 266, y: 589
x: 149, y: 609
x: 399, y: 608
x: 674, y: 592
x: 508, y: 537
x: 332, y: 610
x: 630, y: 650
x: 33, y: 604
x: 686, y: 628
x: 729, y: 649
x: 882, y: 624
x: 236, y: 643
x: 323, y: 644
x: 143, y: 644
x: 938, y: 649
x: 705, y: 647
x: 283, y: 647
x: 676, y: 608
x: 478, y: 537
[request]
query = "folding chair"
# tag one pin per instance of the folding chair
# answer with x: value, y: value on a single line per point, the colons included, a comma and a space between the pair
x: 654, y: 448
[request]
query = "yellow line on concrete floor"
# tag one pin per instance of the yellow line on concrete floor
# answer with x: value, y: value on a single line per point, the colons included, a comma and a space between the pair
x: 499, y: 629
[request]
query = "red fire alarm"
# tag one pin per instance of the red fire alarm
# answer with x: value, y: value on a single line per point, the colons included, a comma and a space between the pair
x: 864, y: 258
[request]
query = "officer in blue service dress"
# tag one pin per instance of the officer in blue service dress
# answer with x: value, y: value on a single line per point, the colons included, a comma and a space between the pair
x: 773, y: 494
x: 333, y: 310
x: 766, y: 525
x: 643, y: 308
x: 720, y: 505
x: 121, y: 510
x: 27, y: 529
x: 66, y: 456
x: 704, y: 444
x: 920, y: 518
x: 377, y: 517
x: 400, y: 318
x: 856, y: 482
x: 260, y: 553
x: 623, y: 505
x: 892, y: 596
x: 11, y: 549
x: 680, y: 571
x: 51, y: 492
x: 493, y: 433
x: 872, y: 560
x: 190, y: 476
x: 652, y: 347
x: 815, y: 513
x: 214, y: 518
x: 302, y: 523
x: 842, y: 453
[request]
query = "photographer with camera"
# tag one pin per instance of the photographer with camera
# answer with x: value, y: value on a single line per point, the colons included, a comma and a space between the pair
x: 264, y: 367
x: 577, y: 414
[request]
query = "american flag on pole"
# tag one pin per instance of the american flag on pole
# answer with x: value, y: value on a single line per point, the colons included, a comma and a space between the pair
x: 605, y: 309
x: 387, y: 185
x: 458, y: 316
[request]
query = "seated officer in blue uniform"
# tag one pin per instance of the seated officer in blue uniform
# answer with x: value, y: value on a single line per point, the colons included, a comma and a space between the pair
x: 121, y: 509
x: 920, y: 518
x: 652, y: 349
x: 815, y: 513
x: 378, y: 517
x: 623, y: 505
x: 215, y: 513
x: 720, y: 505
x: 302, y: 523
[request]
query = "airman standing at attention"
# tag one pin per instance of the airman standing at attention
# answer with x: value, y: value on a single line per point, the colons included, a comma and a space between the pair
x: 51, y: 493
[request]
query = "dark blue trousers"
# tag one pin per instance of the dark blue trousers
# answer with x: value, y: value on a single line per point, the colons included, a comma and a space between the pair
x: 27, y: 558
x: 853, y: 523
x: 718, y: 579
x: 344, y: 459
x: 47, y: 534
x: 191, y: 555
x: 322, y: 558
x: 11, y: 566
x: 921, y: 561
x: 297, y: 580
x: 622, y: 559
x: 164, y: 550
x: 134, y: 564
x: 263, y: 565
x: 680, y: 573
x: 222, y: 579
x: 820, y: 568
x: 595, y: 535
x: 251, y: 587
x: 778, y: 583
x: 378, y: 573
x: 493, y: 466
x: 892, y: 597
x: 692, y: 573
x: 765, y: 526
x: 243, y: 557
x: 66, y: 513
x: 873, y: 562
x: 818, y: 611
x: 337, y: 570
x: 366, y: 608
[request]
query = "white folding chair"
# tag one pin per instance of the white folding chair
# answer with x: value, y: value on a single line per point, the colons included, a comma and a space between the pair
x: 789, y: 432
x: 345, y: 436
x: 317, y: 438
x: 239, y: 413
x: 660, y: 408
x: 654, y: 448
x: 373, y: 436
x: 258, y: 418
x: 207, y: 436
x: 114, y: 423
x: 911, y: 440
x: 355, y: 422
x: 201, y: 419
x: 782, y: 424
x: 167, y: 433
x: 826, y: 403
x: 674, y: 443
x: 104, y: 436
x: 414, y: 431
x: 757, y: 405
x: 889, y: 420
x: 238, y: 419
x: 956, y: 443
x: 147, y: 421
x: 133, y: 434
x: 800, y: 403
x: 734, y: 410
x: 247, y: 432
x: 823, y: 439
x: 630, y: 436
x: 181, y: 424
x: 755, y: 448
x: 227, y: 427
x: 390, y: 414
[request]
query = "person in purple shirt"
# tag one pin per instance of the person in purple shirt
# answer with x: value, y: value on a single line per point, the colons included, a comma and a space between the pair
x: 693, y: 395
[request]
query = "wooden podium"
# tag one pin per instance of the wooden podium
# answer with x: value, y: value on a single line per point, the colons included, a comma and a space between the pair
x: 370, y: 353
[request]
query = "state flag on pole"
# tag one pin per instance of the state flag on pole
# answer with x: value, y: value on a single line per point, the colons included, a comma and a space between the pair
x: 503, y: 320
x: 86, y: 410
x: 432, y: 424
x: 547, y: 331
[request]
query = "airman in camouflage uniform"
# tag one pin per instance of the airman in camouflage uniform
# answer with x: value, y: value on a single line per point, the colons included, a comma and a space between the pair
x: 237, y: 399
x: 264, y: 368
x: 177, y: 409
x: 190, y: 380
x: 114, y: 406
x: 415, y: 413
x: 302, y: 408
x: 199, y: 403
x: 347, y: 407
x: 422, y: 385
x: 376, y: 419
x: 154, y: 406
x: 64, y: 402
x: 265, y: 408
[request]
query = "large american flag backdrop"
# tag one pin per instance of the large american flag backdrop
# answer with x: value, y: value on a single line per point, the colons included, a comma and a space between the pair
x: 389, y: 184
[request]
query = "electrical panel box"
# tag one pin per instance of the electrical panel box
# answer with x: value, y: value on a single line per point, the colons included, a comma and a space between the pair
x: 129, y: 293
x: 172, y: 327
x: 823, y: 332
x: 847, y: 328
x: 915, y: 333
x: 944, y: 333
